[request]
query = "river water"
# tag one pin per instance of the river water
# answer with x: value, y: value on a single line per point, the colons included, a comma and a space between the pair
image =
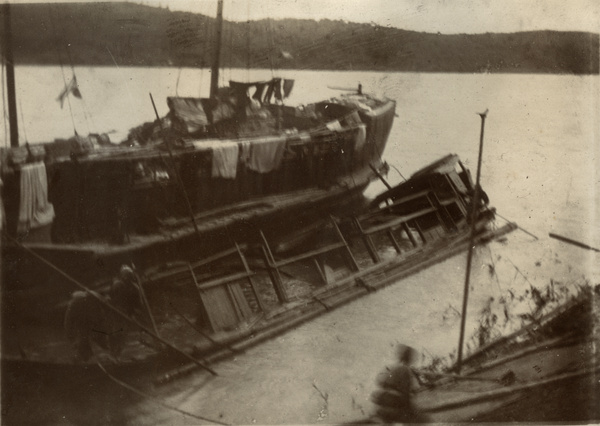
x: 539, y: 168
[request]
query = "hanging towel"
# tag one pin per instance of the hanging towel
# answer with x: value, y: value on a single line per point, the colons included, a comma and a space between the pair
x: 361, y: 137
x: 34, y: 209
x: 225, y: 159
x: 266, y: 154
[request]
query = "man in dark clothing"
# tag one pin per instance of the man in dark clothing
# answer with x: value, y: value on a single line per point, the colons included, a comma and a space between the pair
x: 125, y: 296
x: 393, y: 397
x: 124, y: 293
x: 86, y: 322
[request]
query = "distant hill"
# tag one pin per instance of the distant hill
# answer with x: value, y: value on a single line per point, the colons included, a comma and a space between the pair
x: 129, y: 34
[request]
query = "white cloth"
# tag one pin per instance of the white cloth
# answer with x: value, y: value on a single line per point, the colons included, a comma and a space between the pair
x: 225, y: 160
x: 34, y: 209
x: 266, y: 154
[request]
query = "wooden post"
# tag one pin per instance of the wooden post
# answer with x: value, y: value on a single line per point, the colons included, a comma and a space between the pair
x: 353, y: 263
x: 273, y: 271
x: 214, y: 76
x: 470, y: 254
x: 10, y: 77
x: 368, y: 242
x: 205, y: 314
x: 248, y: 271
x: 177, y: 177
x: 146, y: 304
x: 409, y: 235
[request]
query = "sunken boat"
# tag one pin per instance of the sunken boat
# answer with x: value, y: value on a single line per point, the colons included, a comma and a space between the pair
x: 196, y: 312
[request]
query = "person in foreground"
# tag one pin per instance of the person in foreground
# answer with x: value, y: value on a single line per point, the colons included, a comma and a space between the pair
x: 393, y: 398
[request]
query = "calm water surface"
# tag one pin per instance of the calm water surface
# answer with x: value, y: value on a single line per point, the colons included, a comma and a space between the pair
x: 540, y: 165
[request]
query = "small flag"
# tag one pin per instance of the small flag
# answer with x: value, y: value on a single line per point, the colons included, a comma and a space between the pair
x: 73, y: 88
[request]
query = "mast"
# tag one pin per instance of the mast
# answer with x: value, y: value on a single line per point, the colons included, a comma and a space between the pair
x: 10, y: 77
x: 214, y: 75
x: 471, y: 243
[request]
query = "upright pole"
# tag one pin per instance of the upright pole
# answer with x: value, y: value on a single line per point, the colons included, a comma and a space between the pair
x: 474, y: 209
x: 10, y: 77
x: 174, y: 165
x: 214, y: 74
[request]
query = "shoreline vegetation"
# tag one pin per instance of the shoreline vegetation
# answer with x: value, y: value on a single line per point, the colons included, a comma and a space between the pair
x: 128, y: 34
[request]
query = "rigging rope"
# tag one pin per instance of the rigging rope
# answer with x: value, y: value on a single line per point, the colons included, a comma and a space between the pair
x: 154, y: 398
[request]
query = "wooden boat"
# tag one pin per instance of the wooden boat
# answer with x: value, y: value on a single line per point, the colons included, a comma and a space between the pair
x: 545, y: 372
x: 213, y: 306
x: 213, y: 170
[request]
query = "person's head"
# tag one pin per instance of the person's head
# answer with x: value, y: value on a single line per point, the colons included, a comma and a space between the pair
x: 405, y: 354
x: 126, y: 274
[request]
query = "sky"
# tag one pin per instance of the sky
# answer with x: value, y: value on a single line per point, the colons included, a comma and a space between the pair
x: 444, y: 16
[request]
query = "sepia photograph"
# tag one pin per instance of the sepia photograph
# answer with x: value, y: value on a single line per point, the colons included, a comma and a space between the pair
x: 268, y: 212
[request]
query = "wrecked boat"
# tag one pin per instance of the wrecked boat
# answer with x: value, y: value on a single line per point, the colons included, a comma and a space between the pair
x: 195, y: 312
x: 545, y: 371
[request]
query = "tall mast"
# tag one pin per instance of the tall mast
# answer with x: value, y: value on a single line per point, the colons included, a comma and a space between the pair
x: 214, y: 75
x: 10, y: 77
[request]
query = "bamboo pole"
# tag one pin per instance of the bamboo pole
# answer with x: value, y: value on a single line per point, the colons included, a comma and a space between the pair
x: 474, y: 209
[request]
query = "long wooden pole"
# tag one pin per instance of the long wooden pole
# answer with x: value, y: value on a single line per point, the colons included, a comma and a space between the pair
x: 111, y: 307
x: 474, y: 209
x: 10, y: 77
x: 570, y: 241
x: 214, y: 73
x: 177, y: 177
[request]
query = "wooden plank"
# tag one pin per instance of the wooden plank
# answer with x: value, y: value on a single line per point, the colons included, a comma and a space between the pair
x: 273, y: 271
x: 224, y: 280
x: 309, y: 254
x: 368, y: 242
x: 202, y: 303
x: 409, y: 234
x: 220, y: 309
x: 353, y: 263
x: 249, y: 271
x: 393, y: 241
x: 396, y: 203
x: 320, y: 271
x: 398, y: 222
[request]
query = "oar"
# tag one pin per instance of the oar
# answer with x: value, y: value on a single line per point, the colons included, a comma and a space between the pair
x: 573, y: 242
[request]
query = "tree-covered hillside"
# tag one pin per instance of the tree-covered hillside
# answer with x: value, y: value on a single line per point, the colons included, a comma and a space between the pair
x: 131, y: 34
